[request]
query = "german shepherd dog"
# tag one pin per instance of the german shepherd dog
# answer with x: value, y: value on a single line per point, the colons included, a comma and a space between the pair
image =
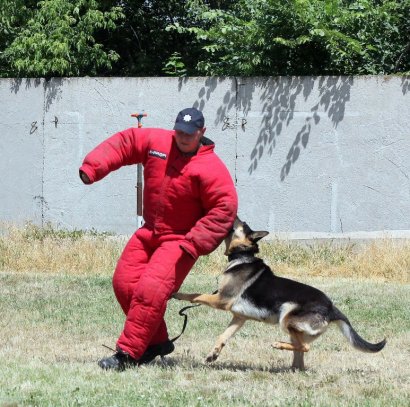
x: 250, y: 290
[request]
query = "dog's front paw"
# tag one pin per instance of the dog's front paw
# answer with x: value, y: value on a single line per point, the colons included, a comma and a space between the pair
x: 212, y: 357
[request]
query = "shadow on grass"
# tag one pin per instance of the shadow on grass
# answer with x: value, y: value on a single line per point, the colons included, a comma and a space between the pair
x: 232, y: 366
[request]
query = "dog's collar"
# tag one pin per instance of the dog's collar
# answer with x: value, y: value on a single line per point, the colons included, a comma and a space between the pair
x: 242, y: 259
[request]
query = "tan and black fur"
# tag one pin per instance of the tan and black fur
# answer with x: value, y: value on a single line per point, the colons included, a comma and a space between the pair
x: 250, y: 291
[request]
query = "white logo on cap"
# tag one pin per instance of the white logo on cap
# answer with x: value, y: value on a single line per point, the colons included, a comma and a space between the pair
x: 187, y: 118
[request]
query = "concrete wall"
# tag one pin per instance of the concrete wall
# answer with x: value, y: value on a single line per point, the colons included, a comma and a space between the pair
x: 311, y: 157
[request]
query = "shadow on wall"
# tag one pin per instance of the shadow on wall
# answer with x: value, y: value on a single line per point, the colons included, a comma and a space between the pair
x: 204, y: 94
x: 16, y: 84
x: 280, y: 97
x: 52, y: 90
x: 405, y: 84
x: 279, y: 100
x: 51, y: 86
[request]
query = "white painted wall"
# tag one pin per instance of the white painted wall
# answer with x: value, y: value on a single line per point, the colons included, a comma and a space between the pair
x: 311, y: 157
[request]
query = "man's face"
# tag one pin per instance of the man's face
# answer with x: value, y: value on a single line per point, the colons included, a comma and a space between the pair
x: 189, y: 143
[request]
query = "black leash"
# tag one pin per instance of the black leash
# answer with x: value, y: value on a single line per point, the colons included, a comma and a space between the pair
x: 183, y: 314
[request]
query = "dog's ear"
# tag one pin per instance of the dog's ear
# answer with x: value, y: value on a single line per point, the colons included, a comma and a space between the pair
x: 256, y: 236
x: 237, y: 222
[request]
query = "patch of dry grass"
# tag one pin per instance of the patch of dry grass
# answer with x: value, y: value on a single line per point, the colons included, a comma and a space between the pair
x: 35, y: 249
x: 384, y: 260
x: 48, y: 249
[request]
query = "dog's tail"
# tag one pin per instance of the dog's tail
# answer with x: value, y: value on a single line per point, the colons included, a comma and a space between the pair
x: 352, y: 336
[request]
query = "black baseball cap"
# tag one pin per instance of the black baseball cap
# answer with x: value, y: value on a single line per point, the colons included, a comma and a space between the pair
x: 189, y: 120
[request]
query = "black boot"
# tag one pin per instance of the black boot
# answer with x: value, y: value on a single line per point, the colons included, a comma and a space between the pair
x: 119, y: 361
x: 160, y: 349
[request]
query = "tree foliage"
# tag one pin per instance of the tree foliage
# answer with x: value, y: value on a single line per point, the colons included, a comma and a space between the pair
x: 58, y: 37
x: 301, y: 37
x: 144, y: 43
x: 203, y: 37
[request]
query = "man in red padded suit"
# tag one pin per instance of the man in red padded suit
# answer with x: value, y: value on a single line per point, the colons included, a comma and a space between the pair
x: 190, y: 204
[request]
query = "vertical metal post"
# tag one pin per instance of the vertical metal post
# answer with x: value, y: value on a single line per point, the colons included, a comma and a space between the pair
x: 139, y: 195
x: 139, y: 185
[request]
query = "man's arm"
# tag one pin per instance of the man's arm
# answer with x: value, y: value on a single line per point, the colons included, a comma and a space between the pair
x: 124, y: 148
x: 220, y: 200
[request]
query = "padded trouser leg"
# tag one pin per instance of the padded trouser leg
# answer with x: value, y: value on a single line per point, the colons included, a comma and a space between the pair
x: 163, y: 275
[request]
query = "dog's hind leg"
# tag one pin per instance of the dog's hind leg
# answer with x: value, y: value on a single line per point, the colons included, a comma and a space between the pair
x: 234, y: 326
x: 298, y: 340
x: 297, y: 345
x: 298, y: 360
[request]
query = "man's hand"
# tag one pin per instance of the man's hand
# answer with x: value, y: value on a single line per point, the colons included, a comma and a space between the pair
x: 84, y: 177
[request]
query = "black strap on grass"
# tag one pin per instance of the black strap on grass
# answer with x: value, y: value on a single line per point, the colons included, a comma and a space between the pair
x: 183, y: 314
x: 105, y: 346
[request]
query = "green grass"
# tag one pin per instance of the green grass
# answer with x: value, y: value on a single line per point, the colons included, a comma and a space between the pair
x: 52, y: 327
